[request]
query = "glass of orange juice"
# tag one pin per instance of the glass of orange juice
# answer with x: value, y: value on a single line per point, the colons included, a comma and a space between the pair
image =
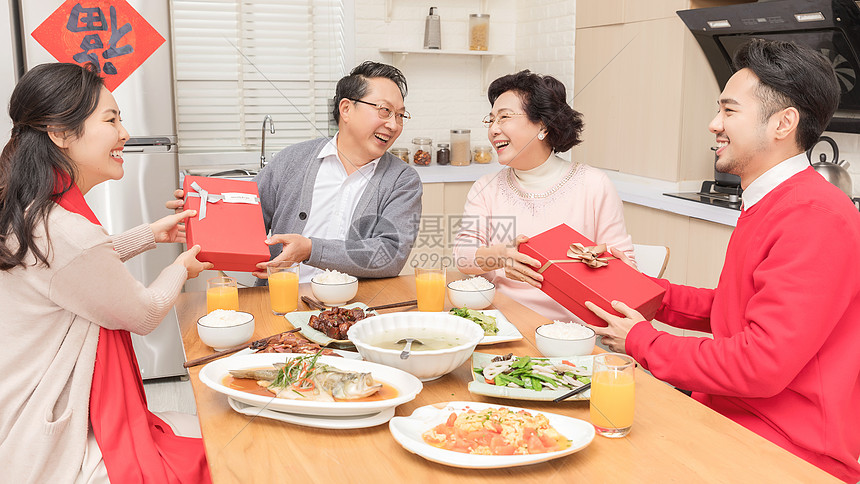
x: 283, y: 286
x: 430, y: 285
x: 612, y: 391
x: 222, y: 293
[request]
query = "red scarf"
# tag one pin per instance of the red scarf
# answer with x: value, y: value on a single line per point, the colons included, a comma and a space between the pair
x: 136, y: 446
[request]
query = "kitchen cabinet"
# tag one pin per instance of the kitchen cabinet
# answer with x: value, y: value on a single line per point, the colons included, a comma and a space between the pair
x: 442, y: 206
x: 697, y: 248
x: 644, y: 88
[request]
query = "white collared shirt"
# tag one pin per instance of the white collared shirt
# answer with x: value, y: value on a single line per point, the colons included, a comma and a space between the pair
x: 772, y: 178
x: 334, y: 199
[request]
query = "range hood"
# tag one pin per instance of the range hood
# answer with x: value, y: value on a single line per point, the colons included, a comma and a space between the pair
x: 831, y: 27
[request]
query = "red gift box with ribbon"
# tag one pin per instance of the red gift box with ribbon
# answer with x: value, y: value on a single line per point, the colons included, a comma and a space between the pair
x: 229, y: 225
x: 570, y: 281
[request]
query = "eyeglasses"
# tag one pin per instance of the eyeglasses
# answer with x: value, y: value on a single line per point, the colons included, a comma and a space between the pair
x: 385, y: 112
x: 502, y: 118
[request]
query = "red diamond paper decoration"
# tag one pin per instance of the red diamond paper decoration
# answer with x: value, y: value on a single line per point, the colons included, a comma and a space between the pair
x: 107, y: 33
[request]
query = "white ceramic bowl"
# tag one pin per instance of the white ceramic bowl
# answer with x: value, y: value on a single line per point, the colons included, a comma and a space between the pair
x: 471, y: 299
x: 426, y: 365
x: 221, y: 337
x: 554, y: 347
x: 335, y: 294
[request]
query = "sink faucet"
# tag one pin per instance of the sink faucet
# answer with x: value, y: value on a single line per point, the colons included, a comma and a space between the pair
x: 268, y: 118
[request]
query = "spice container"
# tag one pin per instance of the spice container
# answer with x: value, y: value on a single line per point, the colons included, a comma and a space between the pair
x: 402, y: 153
x: 479, y: 31
x: 423, y: 149
x: 460, y: 147
x: 443, y: 154
x: 483, y: 154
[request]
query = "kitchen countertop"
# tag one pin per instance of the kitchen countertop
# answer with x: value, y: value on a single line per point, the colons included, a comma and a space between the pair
x: 648, y: 192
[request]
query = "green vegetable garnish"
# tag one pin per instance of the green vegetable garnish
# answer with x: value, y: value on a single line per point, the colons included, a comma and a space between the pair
x: 487, y: 323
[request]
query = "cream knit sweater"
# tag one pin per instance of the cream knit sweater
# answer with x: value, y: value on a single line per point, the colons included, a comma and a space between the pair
x: 50, y: 318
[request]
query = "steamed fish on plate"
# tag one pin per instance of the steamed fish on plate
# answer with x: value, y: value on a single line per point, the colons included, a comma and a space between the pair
x: 304, y: 378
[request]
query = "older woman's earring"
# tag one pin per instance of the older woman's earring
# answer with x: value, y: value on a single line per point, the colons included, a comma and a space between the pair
x: 541, y: 135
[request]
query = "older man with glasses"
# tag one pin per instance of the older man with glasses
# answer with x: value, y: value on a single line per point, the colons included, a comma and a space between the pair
x: 345, y: 203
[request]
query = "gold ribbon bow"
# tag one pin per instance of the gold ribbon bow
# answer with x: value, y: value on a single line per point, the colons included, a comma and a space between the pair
x: 577, y: 252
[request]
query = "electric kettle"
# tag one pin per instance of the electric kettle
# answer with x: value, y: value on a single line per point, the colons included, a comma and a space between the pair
x: 833, y: 171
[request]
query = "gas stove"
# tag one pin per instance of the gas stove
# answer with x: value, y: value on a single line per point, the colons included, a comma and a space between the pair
x: 715, y: 194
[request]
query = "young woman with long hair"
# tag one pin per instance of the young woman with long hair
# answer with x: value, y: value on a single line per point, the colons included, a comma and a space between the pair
x: 72, y: 406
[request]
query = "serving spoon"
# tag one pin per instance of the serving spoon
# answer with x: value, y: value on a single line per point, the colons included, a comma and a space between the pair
x: 406, y: 351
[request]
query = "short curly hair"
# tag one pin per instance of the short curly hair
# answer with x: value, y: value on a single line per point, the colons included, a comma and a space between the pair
x: 544, y: 101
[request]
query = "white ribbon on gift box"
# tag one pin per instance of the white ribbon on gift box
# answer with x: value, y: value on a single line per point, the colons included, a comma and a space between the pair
x: 229, y: 197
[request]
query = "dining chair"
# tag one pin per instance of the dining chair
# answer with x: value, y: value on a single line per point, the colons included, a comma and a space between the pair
x: 651, y: 259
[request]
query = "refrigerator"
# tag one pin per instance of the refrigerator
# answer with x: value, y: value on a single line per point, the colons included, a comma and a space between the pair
x: 145, y: 99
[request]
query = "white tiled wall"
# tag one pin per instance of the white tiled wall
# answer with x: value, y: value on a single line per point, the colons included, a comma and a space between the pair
x: 450, y: 91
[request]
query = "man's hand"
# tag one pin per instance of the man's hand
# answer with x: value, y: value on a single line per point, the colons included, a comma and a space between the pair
x: 614, y: 336
x: 295, y: 249
x: 169, y: 229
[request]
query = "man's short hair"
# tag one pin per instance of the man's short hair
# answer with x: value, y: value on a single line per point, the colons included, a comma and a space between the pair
x: 790, y: 75
x: 354, y: 86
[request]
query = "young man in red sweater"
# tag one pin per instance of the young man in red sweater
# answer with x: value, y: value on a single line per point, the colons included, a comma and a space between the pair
x: 784, y: 360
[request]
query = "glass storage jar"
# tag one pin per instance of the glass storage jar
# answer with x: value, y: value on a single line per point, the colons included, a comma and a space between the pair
x: 443, y: 154
x: 483, y: 154
x: 402, y: 153
x: 423, y: 151
x: 460, y: 147
x: 479, y: 31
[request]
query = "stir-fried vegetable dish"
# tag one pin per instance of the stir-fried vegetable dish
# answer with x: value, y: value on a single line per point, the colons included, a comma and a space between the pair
x: 533, y: 373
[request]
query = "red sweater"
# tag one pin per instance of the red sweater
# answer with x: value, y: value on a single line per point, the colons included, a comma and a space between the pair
x: 785, y: 358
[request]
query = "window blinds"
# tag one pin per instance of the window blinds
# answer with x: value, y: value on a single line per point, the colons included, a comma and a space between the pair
x: 237, y: 61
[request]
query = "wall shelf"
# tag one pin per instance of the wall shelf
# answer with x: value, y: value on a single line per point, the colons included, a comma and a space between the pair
x: 482, y: 53
x: 488, y: 57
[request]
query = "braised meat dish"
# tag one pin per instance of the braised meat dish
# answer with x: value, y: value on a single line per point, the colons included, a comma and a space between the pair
x: 336, y: 322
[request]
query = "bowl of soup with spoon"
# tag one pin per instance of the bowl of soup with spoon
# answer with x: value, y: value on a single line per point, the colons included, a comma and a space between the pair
x: 442, y: 342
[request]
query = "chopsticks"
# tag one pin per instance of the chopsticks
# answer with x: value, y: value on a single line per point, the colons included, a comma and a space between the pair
x: 314, y: 304
x: 317, y: 305
x: 573, y: 392
x: 393, y: 305
x: 233, y: 349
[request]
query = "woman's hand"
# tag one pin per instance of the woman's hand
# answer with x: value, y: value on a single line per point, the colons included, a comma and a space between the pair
x: 194, y: 267
x: 614, y: 336
x: 169, y: 229
x: 295, y: 249
x: 179, y: 201
x: 520, y: 267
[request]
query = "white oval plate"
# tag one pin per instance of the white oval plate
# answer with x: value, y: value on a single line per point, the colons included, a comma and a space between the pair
x: 407, y: 432
x: 320, y: 422
x: 407, y: 385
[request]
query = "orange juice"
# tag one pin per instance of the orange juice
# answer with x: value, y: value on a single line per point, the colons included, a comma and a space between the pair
x: 431, y: 291
x: 222, y: 297
x: 612, y: 400
x: 284, y: 291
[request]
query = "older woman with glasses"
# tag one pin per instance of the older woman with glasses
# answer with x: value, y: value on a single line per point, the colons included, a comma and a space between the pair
x: 529, y: 123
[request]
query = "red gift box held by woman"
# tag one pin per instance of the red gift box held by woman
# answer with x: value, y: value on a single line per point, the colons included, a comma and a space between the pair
x: 571, y: 283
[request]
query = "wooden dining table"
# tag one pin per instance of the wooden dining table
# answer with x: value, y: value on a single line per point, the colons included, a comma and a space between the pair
x: 673, y: 439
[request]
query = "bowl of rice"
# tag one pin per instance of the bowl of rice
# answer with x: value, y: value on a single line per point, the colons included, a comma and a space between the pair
x: 222, y: 328
x: 334, y: 288
x: 564, y: 339
x: 472, y: 293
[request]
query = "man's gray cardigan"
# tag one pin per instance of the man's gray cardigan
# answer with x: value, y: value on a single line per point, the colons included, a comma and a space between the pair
x: 384, y: 224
